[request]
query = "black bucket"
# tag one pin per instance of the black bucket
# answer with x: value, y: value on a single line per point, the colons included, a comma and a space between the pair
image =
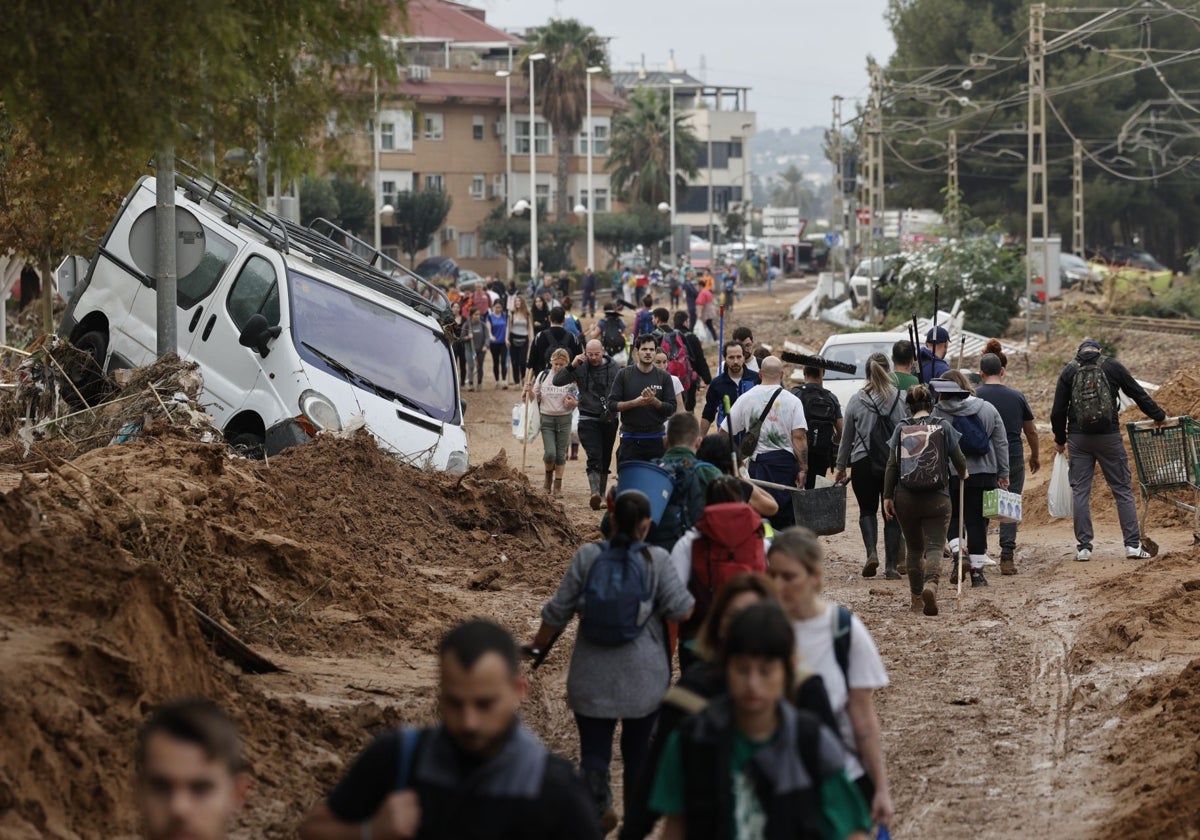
x: 822, y: 509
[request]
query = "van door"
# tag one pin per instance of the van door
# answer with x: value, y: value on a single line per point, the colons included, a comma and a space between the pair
x: 232, y: 371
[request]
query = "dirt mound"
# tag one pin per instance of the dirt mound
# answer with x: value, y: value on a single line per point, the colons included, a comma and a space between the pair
x: 1180, y: 394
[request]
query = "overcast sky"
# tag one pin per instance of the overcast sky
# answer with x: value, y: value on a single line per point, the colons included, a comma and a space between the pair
x: 793, y: 54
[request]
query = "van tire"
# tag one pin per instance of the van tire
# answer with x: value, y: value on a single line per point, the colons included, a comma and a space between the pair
x: 249, y: 445
x: 91, y: 382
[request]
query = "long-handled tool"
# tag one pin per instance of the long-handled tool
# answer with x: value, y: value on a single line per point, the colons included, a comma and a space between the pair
x: 962, y: 537
x: 962, y: 346
x: 733, y: 453
x: 721, y: 338
x: 539, y: 655
x: 525, y: 422
x: 916, y: 340
x: 793, y: 358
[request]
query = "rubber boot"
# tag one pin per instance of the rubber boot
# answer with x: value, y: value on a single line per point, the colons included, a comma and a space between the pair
x: 595, y: 482
x: 916, y: 577
x: 870, y: 535
x: 558, y: 488
x: 892, y: 546
x: 549, y: 481
x: 1007, y: 565
x: 916, y: 604
x: 574, y: 451
x: 929, y: 597
x: 598, y: 787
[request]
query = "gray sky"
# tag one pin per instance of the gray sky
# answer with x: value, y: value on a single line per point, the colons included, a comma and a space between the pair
x: 794, y: 54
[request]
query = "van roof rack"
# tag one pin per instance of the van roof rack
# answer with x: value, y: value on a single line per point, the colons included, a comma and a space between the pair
x: 324, y: 242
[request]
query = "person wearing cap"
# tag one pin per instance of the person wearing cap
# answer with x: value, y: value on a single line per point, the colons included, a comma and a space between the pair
x: 1018, y: 417
x: 933, y: 354
x: 1087, y: 447
x: 987, y: 468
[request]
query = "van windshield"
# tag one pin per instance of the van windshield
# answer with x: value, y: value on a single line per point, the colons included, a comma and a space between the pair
x: 391, y: 352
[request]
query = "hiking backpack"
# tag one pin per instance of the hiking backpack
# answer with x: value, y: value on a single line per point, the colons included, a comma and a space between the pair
x: 820, y: 413
x: 643, y: 323
x: 879, y: 442
x: 617, y: 599
x: 922, y: 457
x: 975, y: 438
x: 714, y: 564
x: 612, y: 336
x: 684, y: 507
x: 679, y: 363
x: 1091, y: 396
x: 565, y: 341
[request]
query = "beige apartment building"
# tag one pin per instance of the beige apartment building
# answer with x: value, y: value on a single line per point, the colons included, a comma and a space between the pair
x: 442, y: 126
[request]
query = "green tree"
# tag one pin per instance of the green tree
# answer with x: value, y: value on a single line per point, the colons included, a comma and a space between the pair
x: 509, y: 234
x: 639, y: 156
x: 793, y: 192
x: 356, y: 205
x: 417, y: 217
x: 640, y: 224
x: 318, y: 200
x: 734, y: 223
x: 570, y: 48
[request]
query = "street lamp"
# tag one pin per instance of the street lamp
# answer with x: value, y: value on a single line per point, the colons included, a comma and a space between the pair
x: 375, y: 137
x: 745, y: 186
x: 508, y: 140
x: 591, y: 141
x: 533, y: 236
x: 671, y: 119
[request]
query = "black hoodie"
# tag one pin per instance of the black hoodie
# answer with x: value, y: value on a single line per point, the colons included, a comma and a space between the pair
x: 1119, y: 379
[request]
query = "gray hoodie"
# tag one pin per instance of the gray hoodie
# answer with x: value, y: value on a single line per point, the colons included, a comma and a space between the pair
x: 995, y: 462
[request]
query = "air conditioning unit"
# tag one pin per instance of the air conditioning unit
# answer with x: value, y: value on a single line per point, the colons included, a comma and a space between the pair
x: 417, y: 73
x: 500, y: 128
x: 449, y: 234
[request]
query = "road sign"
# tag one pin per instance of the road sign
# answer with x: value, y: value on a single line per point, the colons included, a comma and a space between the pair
x: 864, y: 217
x: 833, y: 240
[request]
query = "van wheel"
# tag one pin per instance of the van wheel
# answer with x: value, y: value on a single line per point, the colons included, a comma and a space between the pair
x: 90, y: 381
x: 249, y: 445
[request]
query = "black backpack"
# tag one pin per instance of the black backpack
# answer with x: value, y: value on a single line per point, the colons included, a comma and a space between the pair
x: 879, y: 442
x: 557, y: 337
x: 611, y: 336
x: 1092, y: 400
x: 821, y: 411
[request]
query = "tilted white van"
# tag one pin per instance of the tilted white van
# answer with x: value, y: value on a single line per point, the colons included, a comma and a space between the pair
x: 294, y: 333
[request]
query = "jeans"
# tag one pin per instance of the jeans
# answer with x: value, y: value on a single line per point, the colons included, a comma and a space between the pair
x: 1084, y: 451
x: 597, y: 439
x: 974, y: 521
x: 556, y: 437
x: 923, y: 519
x: 499, y: 363
x: 640, y: 449
x: 596, y: 740
x: 1016, y: 483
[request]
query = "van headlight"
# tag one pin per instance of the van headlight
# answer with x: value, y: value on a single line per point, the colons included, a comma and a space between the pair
x: 457, y: 462
x: 320, y: 411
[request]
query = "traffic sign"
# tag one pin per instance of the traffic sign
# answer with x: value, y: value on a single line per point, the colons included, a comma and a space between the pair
x: 864, y: 217
x: 833, y: 240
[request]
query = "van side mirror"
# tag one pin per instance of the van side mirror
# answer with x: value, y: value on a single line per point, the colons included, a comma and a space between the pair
x: 257, y: 334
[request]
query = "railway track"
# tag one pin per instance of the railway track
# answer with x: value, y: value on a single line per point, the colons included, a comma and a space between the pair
x: 1172, y: 326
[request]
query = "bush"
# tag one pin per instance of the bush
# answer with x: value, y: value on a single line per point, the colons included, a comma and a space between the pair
x: 1179, y: 302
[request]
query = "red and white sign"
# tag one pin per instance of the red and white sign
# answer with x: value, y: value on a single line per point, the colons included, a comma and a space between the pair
x: 864, y: 217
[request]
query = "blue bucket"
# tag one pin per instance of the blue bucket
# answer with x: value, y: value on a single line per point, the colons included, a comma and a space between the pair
x: 650, y: 479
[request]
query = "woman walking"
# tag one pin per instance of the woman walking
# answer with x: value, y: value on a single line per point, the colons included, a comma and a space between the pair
x: 497, y: 324
x: 610, y: 682
x: 540, y: 312
x: 864, y: 450
x: 462, y: 337
x: 852, y: 672
x: 520, y: 326
x: 477, y: 348
x: 916, y: 492
x: 556, y: 404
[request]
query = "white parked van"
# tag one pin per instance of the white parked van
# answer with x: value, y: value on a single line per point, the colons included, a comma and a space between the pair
x: 293, y: 332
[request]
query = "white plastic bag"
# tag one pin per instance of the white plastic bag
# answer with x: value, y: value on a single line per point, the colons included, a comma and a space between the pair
x: 1062, y: 503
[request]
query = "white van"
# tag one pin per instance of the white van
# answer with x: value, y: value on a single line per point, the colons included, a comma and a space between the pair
x: 293, y: 332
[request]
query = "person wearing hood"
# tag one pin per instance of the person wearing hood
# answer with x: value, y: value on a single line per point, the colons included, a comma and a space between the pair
x: 933, y: 354
x: 1094, y: 436
x: 593, y: 373
x: 984, y: 442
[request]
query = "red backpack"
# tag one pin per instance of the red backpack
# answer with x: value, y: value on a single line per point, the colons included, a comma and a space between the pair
x: 730, y: 543
x: 679, y: 363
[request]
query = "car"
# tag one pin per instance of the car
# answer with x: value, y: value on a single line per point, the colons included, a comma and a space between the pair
x: 1076, y: 272
x: 1123, y: 256
x: 875, y: 273
x: 853, y: 348
x: 294, y: 334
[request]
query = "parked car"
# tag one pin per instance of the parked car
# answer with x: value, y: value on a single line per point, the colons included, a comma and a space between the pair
x: 293, y: 333
x: 875, y: 273
x: 854, y: 348
x: 1122, y: 256
x: 1076, y: 272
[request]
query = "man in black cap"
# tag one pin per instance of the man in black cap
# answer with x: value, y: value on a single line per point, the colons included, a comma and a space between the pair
x: 933, y: 354
x: 1084, y: 419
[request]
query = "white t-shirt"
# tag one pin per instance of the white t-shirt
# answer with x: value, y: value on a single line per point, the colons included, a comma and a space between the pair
x: 786, y: 415
x: 678, y: 390
x: 814, y: 641
x: 681, y: 555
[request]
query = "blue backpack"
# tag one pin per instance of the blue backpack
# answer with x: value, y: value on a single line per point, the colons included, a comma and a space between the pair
x: 975, y: 438
x: 617, y: 599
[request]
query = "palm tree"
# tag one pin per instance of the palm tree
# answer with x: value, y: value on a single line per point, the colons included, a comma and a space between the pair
x: 793, y: 192
x: 570, y: 48
x: 639, y: 155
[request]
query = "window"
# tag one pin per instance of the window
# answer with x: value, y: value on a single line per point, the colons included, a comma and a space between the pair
x: 435, y: 182
x: 434, y: 127
x: 202, y: 279
x: 256, y: 291
x: 395, y: 131
x: 387, y: 137
x: 735, y: 149
x: 387, y: 192
x: 521, y: 137
x: 477, y: 127
x: 478, y: 186
x: 392, y: 183
x: 601, y: 134
x: 466, y: 246
x: 545, y: 198
x: 601, y: 126
x: 601, y: 199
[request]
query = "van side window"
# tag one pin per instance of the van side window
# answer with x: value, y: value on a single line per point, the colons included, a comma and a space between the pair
x: 256, y: 291
x: 200, y: 282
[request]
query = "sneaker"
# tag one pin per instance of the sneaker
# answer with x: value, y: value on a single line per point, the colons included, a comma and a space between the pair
x: 1136, y: 552
x: 1083, y: 555
x: 977, y: 578
x: 1007, y: 566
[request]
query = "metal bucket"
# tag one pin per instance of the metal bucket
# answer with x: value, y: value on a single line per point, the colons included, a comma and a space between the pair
x: 822, y: 509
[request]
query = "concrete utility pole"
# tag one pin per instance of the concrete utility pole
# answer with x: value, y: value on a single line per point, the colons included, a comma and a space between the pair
x: 1035, y: 204
x: 839, y: 182
x: 1077, y: 200
x: 164, y: 251
x: 952, y: 193
x: 875, y: 200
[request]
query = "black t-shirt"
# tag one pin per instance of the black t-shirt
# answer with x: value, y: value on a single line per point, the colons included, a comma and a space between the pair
x: 1014, y: 411
x: 561, y: 810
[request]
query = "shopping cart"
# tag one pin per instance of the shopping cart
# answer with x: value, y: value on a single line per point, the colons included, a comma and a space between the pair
x: 1168, y: 465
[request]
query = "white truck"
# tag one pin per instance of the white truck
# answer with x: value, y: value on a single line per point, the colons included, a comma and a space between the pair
x: 293, y: 332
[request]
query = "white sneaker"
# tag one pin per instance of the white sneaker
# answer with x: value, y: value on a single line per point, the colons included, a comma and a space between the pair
x: 1136, y: 552
x: 1083, y: 555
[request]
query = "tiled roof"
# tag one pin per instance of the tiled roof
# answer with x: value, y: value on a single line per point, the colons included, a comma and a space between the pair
x: 456, y: 22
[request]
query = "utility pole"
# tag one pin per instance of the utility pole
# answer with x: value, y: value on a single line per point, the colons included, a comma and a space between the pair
x: 1035, y: 204
x: 165, y: 279
x: 952, y: 193
x: 839, y: 210
x: 875, y: 202
x: 1077, y: 200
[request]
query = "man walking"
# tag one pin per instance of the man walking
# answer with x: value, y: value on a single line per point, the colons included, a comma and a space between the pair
x: 588, y: 284
x: 1084, y: 420
x: 481, y: 773
x: 823, y: 415
x: 690, y: 292
x: 593, y: 373
x: 645, y: 398
x: 781, y: 455
x: 1018, y: 417
x: 550, y: 339
x: 903, y: 354
x: 933, y: 354
x: 734, y: 381
x: 744, y: 337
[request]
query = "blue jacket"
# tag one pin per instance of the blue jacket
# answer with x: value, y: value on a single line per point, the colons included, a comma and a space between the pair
x: 931, y: 366
x: 721, y: 387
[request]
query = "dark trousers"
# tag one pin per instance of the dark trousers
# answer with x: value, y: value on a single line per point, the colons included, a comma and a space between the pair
x: 499, y: 362
x: 691, y: 310
x: 1016, y: 483
x: 712, y: 330
x: 460, y: 355
x: 597, y: 439
x: 519, y: 357
x: 596, y: 742
x: 640, y: 449
x: 868, y: 490
x: 819, y: 462
x: 689, y: 398
x: 778, y: 467
x: 480, y: 358
x: 974, y: 521
x: 923, y: 519
x: 589, y: 303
